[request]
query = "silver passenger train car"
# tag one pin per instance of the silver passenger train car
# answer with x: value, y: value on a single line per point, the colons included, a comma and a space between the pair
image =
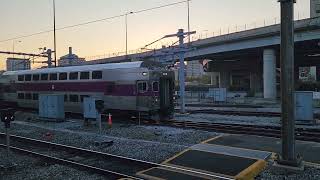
x: 128, y: 87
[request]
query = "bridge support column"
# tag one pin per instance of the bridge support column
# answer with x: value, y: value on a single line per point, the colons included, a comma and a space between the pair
x: 269, y: 74
x: 214, y: 78
x: 254, y: 82
x: 224, y: 79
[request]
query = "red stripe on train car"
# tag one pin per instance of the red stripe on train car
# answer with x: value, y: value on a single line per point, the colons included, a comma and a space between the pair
x: 105, y: 87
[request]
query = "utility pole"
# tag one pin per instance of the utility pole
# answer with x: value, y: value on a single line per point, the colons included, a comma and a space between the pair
x: 182, y: 49
x: 188, y: 3
x: 181, y: 35
x: 181, y: 72
x: 54, y: 34
x: 289, y: 157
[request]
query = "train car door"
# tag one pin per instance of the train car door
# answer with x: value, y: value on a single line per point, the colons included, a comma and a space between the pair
x: 142, y: 88
x: 166, y: 99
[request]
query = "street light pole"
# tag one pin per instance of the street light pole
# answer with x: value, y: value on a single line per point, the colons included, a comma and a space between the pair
x: 126, y: 24
x: 13, y: 43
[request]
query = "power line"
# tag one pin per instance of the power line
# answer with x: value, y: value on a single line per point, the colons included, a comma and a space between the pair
x: 94, y: 21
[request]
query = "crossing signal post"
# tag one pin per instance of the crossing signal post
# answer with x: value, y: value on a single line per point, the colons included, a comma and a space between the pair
x: 7, y: 116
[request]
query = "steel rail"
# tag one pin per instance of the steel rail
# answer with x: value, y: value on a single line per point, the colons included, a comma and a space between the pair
x: 72, y: 163
x: 96, y: 153
x: 241, y: 113
x: 268, y: 131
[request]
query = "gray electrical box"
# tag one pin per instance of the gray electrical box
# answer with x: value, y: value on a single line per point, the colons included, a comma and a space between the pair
x: 218, y: 94
x: 51, y: 106
x: 304, y: 106
x: 89, y: 108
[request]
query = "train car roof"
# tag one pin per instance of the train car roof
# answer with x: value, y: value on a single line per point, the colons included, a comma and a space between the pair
x: 95, y: 67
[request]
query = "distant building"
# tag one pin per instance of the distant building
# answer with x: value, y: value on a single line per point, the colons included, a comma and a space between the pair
x: 314, y: 8
x: 16, y: 64
x: 71, y: 59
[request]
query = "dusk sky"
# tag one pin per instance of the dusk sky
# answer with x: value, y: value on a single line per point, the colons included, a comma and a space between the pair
x: 23, y: 17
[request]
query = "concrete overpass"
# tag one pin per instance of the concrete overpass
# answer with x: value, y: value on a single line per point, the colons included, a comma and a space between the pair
x: 252, y: 52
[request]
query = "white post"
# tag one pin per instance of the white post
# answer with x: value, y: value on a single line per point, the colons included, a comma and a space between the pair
x: 269, y: 74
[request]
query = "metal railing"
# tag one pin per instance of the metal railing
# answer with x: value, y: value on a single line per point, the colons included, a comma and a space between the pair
x: 203, y: 34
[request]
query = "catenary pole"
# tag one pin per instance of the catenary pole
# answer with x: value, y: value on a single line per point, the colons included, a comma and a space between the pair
x: 289, y: 156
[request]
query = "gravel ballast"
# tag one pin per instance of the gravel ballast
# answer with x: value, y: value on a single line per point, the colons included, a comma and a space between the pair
x: 27, y: 167
x: 273, y: 173
x: 149, y: 143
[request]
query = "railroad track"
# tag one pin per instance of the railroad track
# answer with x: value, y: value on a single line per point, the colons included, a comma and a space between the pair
x: 110, y: 165
x: 238, y: 113
x: 241, y: 113
x: 206, y: 111
x: 268, y: 131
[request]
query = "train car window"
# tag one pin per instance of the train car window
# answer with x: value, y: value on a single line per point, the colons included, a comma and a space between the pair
x: 35, y: 77
x: 27, y: 77
x: 74, y: 98
x: 65, y: 98
x: 53, y: 76
x: 142, y: 87
x: 96, y: 74
x: 20, y: 77
x: 63, y: 76
x: 155, y: 86
x: 28, y: 96
x: 20, y: 95
x: 84, y: 75
x: 35, y: 96
x: 73, y: 75
x: 44, y: 77
x: 82, y: 97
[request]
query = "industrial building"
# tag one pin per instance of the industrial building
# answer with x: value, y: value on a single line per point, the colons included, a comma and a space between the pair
x: 71, y: 59
x: 16, y: 64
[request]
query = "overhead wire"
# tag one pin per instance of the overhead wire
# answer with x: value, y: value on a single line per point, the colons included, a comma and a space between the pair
x: 93, y: 21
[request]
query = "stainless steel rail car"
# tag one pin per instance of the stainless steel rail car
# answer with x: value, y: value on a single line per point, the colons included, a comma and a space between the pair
x: 129, y: 87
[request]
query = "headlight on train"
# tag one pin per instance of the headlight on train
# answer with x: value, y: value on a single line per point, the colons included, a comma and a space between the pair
x: 144, y: 73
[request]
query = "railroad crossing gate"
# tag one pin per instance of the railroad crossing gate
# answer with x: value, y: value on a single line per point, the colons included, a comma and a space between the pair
x: 209, y: 161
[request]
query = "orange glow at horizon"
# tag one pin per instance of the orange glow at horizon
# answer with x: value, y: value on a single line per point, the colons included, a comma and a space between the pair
x: 107, y: 37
